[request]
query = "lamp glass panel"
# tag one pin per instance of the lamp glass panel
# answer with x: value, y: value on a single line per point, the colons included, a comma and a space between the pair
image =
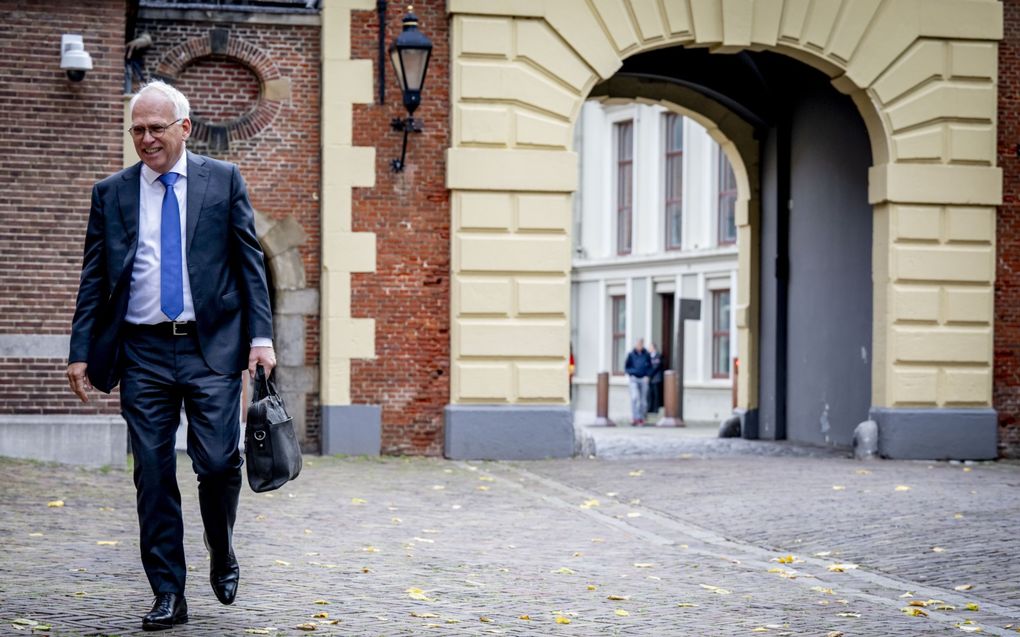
x: 398, y: 67
x: 413, y: 63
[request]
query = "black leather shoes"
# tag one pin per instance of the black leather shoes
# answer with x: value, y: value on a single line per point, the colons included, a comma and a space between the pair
x: 224, y: 574
x: 168, y: 610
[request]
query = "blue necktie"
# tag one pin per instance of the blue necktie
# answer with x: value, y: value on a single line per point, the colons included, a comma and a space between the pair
x: 171, y: 283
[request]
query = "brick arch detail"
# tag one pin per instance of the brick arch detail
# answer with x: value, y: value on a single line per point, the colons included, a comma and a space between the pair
x: 219, y: 42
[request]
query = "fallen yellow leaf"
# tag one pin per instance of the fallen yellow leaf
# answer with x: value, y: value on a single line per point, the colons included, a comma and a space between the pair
x: 592, y: 587
x: 841, y: 568
x: 108, y: 542
x: 913, y: 611
x: 485, y: 619
x: 482, y: 487
x: 838, y: 487
x: 486, y: 478
x: 418, y: 594
x: 863, y: 472
x: 560, y: 619
x: 903, y: 487
x: 637, y: 473
x: 622, y: 613
x: 958, y: 516
x: 834, y: 633
x: 424, y: 615
x: 358, y: 501
x: 686, y: 605
x: 963, y: 587
x: 36, y: 534
x: 563, y: 570
x: 587, y: 504
x: 715, y: 589
x: 848, y: 614
x: 972, y: 607
x: 370, y: 549
x: 937, y: 549
x: 321, y: 602
x: 309, y: 626
x: 55, y: 504
x: 619, y: 598
x: 526, y: 618
x: 256, y: 631
x: 966, y: 469
x: 281, y: 563
x: 822, y: 589
x: 644, y: 565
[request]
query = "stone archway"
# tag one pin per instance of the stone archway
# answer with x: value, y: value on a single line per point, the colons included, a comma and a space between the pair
x: 923, y: 79
x: 294, y: 302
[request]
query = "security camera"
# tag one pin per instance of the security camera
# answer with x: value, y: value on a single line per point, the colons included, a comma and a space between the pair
x: 73, y: 57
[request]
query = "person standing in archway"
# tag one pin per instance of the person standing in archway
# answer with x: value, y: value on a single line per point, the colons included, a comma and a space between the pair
x: 173, y: 305
x: 654, y: 380
x: 638, y: 368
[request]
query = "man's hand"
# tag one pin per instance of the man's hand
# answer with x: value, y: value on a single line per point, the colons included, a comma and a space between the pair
x: 264, y: 356
x: 79, y: 380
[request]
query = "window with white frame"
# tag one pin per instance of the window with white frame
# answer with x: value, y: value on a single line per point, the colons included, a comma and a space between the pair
x: 624, y: 150
x: 727, y: 201
x: 618, y: 333
x: 720, y: 333
x: 674, y: 179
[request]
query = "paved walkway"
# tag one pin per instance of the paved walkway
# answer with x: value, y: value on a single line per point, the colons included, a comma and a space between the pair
x: 680, y: 546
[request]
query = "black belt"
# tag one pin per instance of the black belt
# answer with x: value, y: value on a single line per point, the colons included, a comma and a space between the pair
x: 169, y: 328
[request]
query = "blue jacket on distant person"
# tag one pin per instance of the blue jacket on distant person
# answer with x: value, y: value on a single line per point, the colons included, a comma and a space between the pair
x: 639, y: 363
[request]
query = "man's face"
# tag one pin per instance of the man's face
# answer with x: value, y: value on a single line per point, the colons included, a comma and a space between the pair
x: 158, y: 153
x: 640, y: 345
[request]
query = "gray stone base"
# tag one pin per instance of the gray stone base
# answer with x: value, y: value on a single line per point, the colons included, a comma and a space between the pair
x: 508, y: 432
x: 93, y: 441
x: 748, y: 423
x: 936, y: 434
x: 352, y: 430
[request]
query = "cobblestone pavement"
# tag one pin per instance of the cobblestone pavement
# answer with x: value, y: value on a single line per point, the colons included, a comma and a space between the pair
x: 686, y: 546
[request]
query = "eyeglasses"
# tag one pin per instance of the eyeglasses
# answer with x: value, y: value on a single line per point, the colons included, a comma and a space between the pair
x: 155, y: 130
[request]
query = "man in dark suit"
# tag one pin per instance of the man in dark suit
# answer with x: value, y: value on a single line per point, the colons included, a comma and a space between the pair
x: 173, y: 304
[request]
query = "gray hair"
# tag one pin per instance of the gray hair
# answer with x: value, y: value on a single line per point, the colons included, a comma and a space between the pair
x: 182, y: 108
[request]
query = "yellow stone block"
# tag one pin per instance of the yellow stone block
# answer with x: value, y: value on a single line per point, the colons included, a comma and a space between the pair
x: 543, y: 212
x: 277, y: 90
x: 737, y: 18
x: 960, y: 19
x: 529, y: 8
x: 577, y: 25
x: 349, y: 251
x: 541, y: 296
x: 915, y: 303
x: 914, y: 386
x: 678, y: 17
x: 943, y: 100
x: 820, y: 22
x: 973, y: 60
x: 934, y: 183
x: 336, y: 31
x: 854, y: 21
x: 707, y: 17
x: 539, y: 44
x: 347, y: 81
x: 924, y: 61
x: 335, y: 380
x: 483, y: 125
x: 542, y: 381
x: 956, y: 345
x: 485, y: 36
x: 943, y: 263
x: 972, y: 143
x: 351, y: 337
x: 649, y: 21
x: 924, y: 144
x: 968, y: 305
x: 970, y: 224
x: 483, y: 210
x: 614, y: 15
x: 794, y: 14
x: 966, y: 386
x: 504, y: 82
x: 533, y: 129
x: 518, y: 169
x: 348, y: 166
x: 483, y: 296
x: 917, y: 222
x: 885, y: 39
x: 336, y: 294
x: 483, y: 381
x: 337, y: 127
x: 335, y: 208
x: 765, y: 27
x: 527, y: 253
x: 512, y: 338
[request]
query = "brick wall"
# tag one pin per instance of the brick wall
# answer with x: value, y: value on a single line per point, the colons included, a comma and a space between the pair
x: 1007, y: 286
x: 57, y: 138
x: 409, y: 293
x: 279, y: 159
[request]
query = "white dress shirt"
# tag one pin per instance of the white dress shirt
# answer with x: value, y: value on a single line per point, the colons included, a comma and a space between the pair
x: 143, y: 300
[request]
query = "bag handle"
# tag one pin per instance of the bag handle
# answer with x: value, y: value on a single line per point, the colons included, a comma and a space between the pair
x: 263, y: 386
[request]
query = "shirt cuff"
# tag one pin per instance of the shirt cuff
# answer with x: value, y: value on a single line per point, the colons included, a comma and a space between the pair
x: 261, y: 341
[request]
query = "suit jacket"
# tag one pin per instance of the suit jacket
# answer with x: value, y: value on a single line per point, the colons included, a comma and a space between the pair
x: 226, y: 269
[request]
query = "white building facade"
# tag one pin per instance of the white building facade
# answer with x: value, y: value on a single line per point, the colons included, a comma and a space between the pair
x: 653, y: 224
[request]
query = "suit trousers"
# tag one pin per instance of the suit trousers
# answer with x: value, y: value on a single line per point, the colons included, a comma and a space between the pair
x: 160, y: 372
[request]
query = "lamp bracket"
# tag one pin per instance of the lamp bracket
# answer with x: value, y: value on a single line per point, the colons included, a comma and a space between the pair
x: 407, y: 124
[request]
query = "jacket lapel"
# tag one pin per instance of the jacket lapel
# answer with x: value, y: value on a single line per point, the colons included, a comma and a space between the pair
x: 198, y: 181
x: 127, y: 195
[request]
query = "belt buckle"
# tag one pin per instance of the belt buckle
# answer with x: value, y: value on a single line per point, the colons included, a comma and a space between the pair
x: 182, y: 325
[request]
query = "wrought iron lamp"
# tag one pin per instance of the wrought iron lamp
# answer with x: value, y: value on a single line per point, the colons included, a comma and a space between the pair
x: 410, y: 55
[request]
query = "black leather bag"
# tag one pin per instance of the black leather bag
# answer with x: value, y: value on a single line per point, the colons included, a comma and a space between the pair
x: 271, y: 449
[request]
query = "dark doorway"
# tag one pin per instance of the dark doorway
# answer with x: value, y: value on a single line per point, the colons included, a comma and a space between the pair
x: 665, y: 337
